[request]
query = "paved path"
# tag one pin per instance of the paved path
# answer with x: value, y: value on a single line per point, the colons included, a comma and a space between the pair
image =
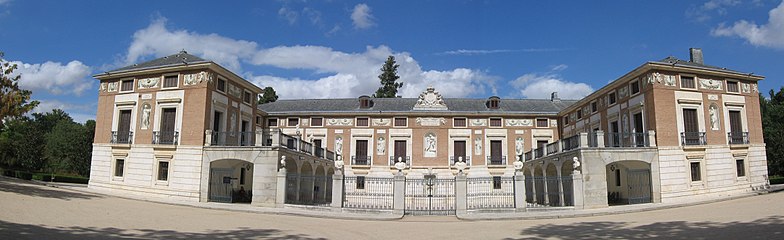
x: 30, y: 211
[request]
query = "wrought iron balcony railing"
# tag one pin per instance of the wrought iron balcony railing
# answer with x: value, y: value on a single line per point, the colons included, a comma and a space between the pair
x: 122, y: 137
x: 165, y: 137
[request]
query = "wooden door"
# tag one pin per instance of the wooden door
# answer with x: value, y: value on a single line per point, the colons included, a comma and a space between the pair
x: 361, y: 152
x: 691, y: 129
x: 124, y: 127
x: 495, y: 151
x: 167, y: 125
x: 736, y: 128
x: 460, y: 150
x: 400, y: 150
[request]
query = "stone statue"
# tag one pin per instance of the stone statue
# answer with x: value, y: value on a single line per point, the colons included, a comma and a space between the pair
x: 519, y: 146
x: 714, y: 117
x: 339, y: 145
x: 146, y: 109
x: 478, y: 145
x: 381, y: 146
x: 576, y: 164
x: 625, y: 123
x: 430, y: 145
x: 232, y: 124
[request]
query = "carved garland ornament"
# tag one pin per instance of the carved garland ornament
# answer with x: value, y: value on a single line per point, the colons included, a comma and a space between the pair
x: 340, y: 122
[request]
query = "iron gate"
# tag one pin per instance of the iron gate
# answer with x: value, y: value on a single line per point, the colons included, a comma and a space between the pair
x: 220, y: 184
x: 430, y: 196
x: 639, y: 181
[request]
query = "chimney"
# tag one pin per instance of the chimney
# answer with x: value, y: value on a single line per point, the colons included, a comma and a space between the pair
x: 554, y: 97
x: 696, y: 55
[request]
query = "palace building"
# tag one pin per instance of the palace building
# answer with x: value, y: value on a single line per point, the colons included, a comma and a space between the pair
x: 181, y: 127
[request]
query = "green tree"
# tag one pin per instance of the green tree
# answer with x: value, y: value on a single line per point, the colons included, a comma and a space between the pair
x: 268, y: 96
x: 14, y: 102
x: 773, y: 130
x: 388, y: 77
x: 69, y: 147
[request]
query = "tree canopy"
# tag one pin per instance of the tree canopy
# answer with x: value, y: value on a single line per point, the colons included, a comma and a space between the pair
x: 269, y: 95
x: 773, y: 130
x: 388, y: 77
x: 14, y: 102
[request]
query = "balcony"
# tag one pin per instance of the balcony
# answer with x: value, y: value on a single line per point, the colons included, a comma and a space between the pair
x: 552, y: 148
x: 232, y: 139
x: 405, y: 159
x: 466, y: 159
x: 595, y: 140
x: 738, y: 138
x: 360, y: 160
x: 121, y: 137
x: 266, y: 138
x: 693, y: 138
x: 496, y: 160
x: 635, y: 139
x: 165, y: 137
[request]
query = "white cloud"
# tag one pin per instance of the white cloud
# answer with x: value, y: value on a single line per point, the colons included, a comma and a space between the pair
x: 539, y: 86
x: 703, y: 12
x: 766, y: 35
x: 54, y: 77
x: 493, y: 51
x: 361, y: 16
x: 560, y: 67
x: 79, y: 112
x: 288, y: 14
x: 3, y: 2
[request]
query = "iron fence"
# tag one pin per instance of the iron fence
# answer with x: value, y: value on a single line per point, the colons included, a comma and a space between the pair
x: 308, y: 189
x: 368, y: 193
x: 490, y: 193
x: 496, y: 160
x: 549, y: 191
x: 165, y: 137
x: 122, y: 137
x: 572, y: 142
x: 553, y: 148
x: 738, y: 137
x: 430, y: 196
x: 693, y: 138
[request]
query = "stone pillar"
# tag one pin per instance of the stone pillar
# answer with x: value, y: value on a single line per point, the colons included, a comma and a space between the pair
x: 275, y: 136
x: 583, y: 140
x: 560, y: 189
x: 519, y: 191
x: 461, y: 194
x: 600, y: 138
x: 577, y: 192
x: 337, y: 191
x: 259, y: 138
x: 399, y: 194
x: 280, y: 198
x: 546, y: 191
x: 651, y: 138
x: 533, y: 184
x: 207, y: 138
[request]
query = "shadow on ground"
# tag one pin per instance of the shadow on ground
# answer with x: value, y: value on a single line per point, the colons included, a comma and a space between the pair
x: 25, y: 187
x: 10, y: 230
x: 764, y: 228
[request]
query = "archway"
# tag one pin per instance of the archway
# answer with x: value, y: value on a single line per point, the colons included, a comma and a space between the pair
x: 319, y: 185
x: 292, y: 181
x: 330, y: 173
x: 628, y: 182
x: 553, y: 185
x: 529, y: 184
x: 306, y: 184
x: 539, y: 185
x: 231, y: 181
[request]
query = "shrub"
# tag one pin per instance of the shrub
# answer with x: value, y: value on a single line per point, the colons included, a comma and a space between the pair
x: 47, y: 177
x: 776, y: 180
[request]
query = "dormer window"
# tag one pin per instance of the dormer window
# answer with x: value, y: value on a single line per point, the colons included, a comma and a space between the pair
x: 494, y: 102
x: 364, y: 102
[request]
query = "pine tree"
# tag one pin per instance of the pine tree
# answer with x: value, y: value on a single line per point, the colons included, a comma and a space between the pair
x: 268, y: 96
x: 388, y: 79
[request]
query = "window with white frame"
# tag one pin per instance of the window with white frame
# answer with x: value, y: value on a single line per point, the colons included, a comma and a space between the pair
x: 696, y: 173
x: 126, y: 85
x: 400, y: 122
x: 119, y: 167
x: 496, y: 122
x: 221, y: 85
x: 635, y: 87
x: 316, y: 121
x: 612, y: 98
x: 170, y: 81
x: 163, y: 171
x: 363, y: 122
x: 542, y: 122
x: 292, y: 122
x: 733, y: 86
x: 459, y: 122
x: 688, y: 82
x: 272, y: 122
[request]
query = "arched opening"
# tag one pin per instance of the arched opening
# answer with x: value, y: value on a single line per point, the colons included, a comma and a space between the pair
x: 330, y: 172
x: 539, y: 185
x: 231, y: 181
x: 566, y: 182
x: 628, y: 182
x: 553, y: 185
x: 529, y: 184
x: 319, y: 185
x: 306, y: 184
x: 292, y: 181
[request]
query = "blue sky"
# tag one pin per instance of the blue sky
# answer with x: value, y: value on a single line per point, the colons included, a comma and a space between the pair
x: 334, y: 49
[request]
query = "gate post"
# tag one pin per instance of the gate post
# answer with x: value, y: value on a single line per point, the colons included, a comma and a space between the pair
x: 461, y: 194
x: 280, y: 197
x: 519, y: 191
x: 577, y: 192
x: 337, y: 191
x: 399, y: 194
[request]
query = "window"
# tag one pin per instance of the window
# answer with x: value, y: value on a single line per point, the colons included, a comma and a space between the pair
x: 566, y: 119
x: 579, y: 114
x: 740, y: 167
x: 542, y: 122
x: 258, y: 120
x: 242, y: 176
x: 611, y: 98
x: 401, y: 122
x: 732, y: 87
x: 494, y: 103
x: 272, y: 122
x: 126, y: 85
x: 635, y: 86
x: 364, y: 102
x: 170, y: 81
x: 594, y: 107
x: 316, y: 122
x: 617, y: 177
x: 695, y: 171
x: 293, y: 122
x: 459, y: 122
x: 119, y: 166
x: 363, y: 122
x: 495, y: 122
x: 221, y: 85
x: 246, y: 97
x: 360, y: 182
x: 687, y: 82
x: 496, y: 182
x: 163, y: 171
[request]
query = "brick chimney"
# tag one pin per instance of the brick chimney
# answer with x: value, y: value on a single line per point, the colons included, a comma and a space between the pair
x: 696, y: 55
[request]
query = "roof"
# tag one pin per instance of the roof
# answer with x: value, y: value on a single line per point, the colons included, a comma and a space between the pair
x: 381, y: 105
x: 683, y: 63
x: 181, y: 58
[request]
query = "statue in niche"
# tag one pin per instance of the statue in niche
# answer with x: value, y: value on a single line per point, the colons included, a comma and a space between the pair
x: 339, y: 145
x: 714, y: 117
x: 146, y: 110
x: 430, y: 145
x: 232, y: 124
x: 381, y: 146
x: 519, y: 146
x: 478, y: 145
x: 625, y: 122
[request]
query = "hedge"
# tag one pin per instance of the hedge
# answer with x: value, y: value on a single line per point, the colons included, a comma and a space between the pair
x: 776, y: 180
x: 46, y: 177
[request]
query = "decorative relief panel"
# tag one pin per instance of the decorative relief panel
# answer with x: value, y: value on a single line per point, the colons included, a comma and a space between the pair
x: 340, y: 122
x: 381, y: 122
x: 431, y: 122
x: 745, y: 87
x: 754, y: 87
x: 113, y: 86
x: 149, y: 82
x: 430, y: 145
x: 235, y: 91
x: 196, y: 78
x: 478, y: 122
x: 710, y: 84
x: 667, y: 80
x: 478, y: 145
x: 381, y: 146
x: 623, y: 92
x: 305, y: 122
x: 430, y: 100
x: 714, y: 116
x: 553, y: 123
x: 519, y: 122
x: 102, y: 88
x: 713, y: 97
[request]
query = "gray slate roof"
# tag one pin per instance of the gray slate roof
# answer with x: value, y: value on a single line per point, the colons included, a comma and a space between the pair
x: 351, y: 105
x: 678, y: 62
x: 181, y: 58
